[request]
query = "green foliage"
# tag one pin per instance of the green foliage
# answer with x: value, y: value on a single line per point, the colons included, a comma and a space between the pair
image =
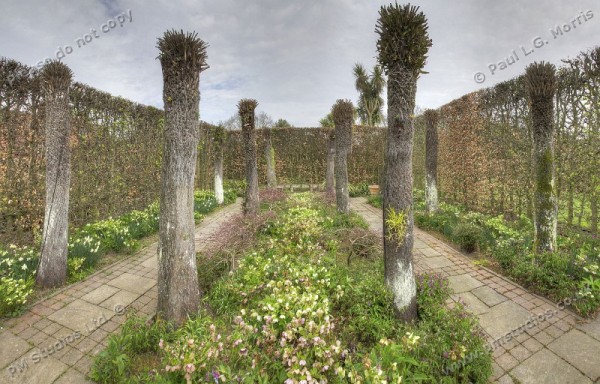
x: 137, y: 336
x: 236, y: 186
x: 17, y: 274
x: 558, y: 275
x: 357, y: 190
x: 468, y: 235
x: 376, y: 201
x: 291, y: 311
x: 87, y: 245
x: 13, y: 294
x: 370, y: 88
x: 403, y: 37
x: 327, y: 121
x: 282, y: 123
x: 397, y: 224
x: 181, y: 52
x: 540, y: 80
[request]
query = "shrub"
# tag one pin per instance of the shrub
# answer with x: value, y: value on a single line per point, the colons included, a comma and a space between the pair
x: 237, y: 186
x: 137, y: 337
x: 358, y: 190
x: 13, y: 294
x: 376, y: 201
x: 290, y: 312
x: 468, y: 236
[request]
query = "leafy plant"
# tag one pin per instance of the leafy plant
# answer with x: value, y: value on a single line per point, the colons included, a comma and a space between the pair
x: 397, y: 224
x: 468, y: 236
x: 358, y: 190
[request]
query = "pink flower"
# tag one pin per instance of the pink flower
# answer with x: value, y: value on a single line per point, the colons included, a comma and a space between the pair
x: 161, y: 344
x: 302, y: 363
x: 190, y: 368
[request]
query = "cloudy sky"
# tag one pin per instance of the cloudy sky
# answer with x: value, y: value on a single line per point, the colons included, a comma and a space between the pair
x: 294, y: 57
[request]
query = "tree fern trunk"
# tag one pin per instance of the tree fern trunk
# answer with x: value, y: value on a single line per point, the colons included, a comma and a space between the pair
x: 397, y: 191
x: 52, y: 270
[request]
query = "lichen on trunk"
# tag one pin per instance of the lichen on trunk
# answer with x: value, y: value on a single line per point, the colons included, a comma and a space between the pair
x: 540, y: 79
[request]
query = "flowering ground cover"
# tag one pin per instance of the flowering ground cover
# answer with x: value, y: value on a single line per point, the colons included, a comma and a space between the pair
x: 570, y: 274
x: 87, y: 245
x: 294, y: 310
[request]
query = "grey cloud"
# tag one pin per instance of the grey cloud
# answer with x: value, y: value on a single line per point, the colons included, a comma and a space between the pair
x: 294, y: 57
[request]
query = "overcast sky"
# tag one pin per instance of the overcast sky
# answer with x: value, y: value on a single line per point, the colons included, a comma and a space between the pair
x: 294, y: 57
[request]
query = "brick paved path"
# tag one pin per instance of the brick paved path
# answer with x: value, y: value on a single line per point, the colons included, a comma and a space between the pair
x: 83, y: 315
x: 560, y: 349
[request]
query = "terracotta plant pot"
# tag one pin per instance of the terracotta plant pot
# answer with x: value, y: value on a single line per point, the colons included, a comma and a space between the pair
x: 374, y: 189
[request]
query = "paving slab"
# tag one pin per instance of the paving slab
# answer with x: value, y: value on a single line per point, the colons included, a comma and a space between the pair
x: 476, y: 285
x: 474, y: 305
x: 81, y: 316
x: 100, y: 294
x: 44, y: 371
x: 438, y: 262
x: 11, y: 347
x: 430, y: 252
x: 72, y: 376
x: 152, y: 262
x: 463, y: 283
x: 592, y: 328
x: 132, y: 283
x: 489, y: 296
x: 504, y: 318
x: 119, y: 301
x: 581, y: 350
x: 545, y: 367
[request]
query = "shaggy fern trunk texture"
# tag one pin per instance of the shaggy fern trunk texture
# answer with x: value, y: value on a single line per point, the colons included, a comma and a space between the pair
x: 270, y: 157
x: 182, y: 57
x: 343, y: 115
x: 246, y: 109
x: 402, y: 46
x: 431, y: 160
x: 330, y: 175
x: 219, y: 139
x: 540, y: 80
x: 52, y: 269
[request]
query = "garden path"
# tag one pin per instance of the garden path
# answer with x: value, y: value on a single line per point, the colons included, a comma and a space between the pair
x: 561, y: 348
x: 84, y: 314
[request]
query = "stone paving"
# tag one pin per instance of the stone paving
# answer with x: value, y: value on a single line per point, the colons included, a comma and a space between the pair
x: 555, y: 347
x: 55, y: 341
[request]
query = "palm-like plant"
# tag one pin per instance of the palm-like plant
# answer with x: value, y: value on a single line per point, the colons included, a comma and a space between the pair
x: 402, y: 46
x: 182, y: 58
x: 370, y: 87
